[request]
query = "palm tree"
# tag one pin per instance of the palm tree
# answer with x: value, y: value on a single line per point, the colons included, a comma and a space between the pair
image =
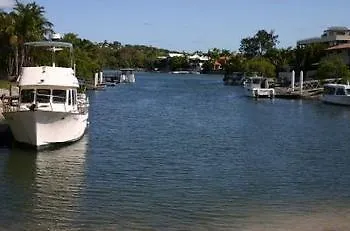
x: 8, y: 40
x: 30, y: 25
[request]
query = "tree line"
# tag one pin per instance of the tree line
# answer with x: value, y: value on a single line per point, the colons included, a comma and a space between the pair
x: 258, y: 53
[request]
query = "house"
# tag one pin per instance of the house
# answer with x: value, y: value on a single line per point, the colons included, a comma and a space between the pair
x: 333, y: 36
x: 343, y: 50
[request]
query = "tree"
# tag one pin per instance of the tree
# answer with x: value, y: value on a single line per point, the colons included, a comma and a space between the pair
x: 333, y: 66
x: 282, y: 59
x: 308, y: 57
x: 31, y: 25
x: 236, y: 63
x: 259, y: 44
x: 261, y: 66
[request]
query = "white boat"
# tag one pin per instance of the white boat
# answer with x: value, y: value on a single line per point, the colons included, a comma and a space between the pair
x: 258, y: 87
x: 336, y: 94
x: 49, y: 109
x: 127, y: 76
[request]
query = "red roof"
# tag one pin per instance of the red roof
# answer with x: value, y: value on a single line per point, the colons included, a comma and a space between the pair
x: 339, y: 47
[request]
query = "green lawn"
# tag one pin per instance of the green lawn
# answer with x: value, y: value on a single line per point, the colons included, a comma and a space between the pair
x: 4, y: 84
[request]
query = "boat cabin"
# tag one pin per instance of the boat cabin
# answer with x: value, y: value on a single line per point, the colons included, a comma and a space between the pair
x: 127, y: 75
x: 336, y: 89
x: 257, y: 82
x: 48, y: 98
x: 48, y: 87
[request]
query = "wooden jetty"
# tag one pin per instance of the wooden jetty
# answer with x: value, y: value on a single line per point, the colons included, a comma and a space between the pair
x: 311, y: 89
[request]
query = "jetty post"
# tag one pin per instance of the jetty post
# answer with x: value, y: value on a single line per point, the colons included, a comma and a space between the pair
x: 301, y: 82
x: 96, y: 80
x: 293, y: 80
x: 101, y: 77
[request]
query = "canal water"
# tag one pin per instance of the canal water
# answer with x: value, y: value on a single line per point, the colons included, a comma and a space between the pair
x: 185, y: 152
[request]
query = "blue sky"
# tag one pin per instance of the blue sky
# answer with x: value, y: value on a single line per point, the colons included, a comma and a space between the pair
x: 191, y: 25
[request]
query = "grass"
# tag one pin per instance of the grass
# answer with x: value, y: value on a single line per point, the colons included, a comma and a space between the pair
x: 5, y: 84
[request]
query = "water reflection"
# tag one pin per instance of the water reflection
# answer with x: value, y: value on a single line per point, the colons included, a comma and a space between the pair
x: 42, y: 189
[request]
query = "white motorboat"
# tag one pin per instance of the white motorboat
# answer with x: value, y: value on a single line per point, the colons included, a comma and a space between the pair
x: 336, y: 94
x: 49, y: 109
x: 258, y: 87
x: 127, y: 76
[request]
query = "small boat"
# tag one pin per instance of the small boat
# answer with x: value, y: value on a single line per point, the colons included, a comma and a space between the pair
x: 127, y: 76
x: 51, y: 107
x: 258, y: 87
x: 336, y: 94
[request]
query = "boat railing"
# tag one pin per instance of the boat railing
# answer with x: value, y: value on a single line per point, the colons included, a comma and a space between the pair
x: 11, y: 103
x: 82, y: 103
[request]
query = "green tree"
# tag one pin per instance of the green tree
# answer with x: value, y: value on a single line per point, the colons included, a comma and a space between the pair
x: 30, y: 25
x: 333, y: 66
x: 236, y: 63
x: 259, y: 44
x: 308, y: 57
x: 261, y: 66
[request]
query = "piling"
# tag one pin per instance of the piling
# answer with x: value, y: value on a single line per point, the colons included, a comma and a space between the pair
x: 293, y: 80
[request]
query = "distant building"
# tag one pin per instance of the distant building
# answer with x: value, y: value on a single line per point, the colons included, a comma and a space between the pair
x: 333, y: 36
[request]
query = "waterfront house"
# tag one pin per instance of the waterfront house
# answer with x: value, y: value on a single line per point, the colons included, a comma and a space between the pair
x: 343, y: 50
x: 333, y: 36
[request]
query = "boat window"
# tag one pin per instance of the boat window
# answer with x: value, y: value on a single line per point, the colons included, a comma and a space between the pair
x: 348, y: 91
x: 59, y: 96
x: 340, y: 91
x: 256, y: 81
x: 43, y: 96
x: 70, y: 97
x: 329, y: 90
x: 27, y: 96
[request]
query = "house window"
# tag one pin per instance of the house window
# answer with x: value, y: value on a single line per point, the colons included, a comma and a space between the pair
x: 59, y: 96
x: 43, y: 96
x: 27, y: 96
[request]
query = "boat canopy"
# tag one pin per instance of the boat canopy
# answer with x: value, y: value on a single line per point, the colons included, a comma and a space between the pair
x: 49, y: 44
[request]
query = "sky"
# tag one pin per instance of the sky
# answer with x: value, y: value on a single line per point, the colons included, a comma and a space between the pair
x: 191, y: 25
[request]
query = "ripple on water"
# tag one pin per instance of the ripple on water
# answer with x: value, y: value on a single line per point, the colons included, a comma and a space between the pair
x: 186, y: 153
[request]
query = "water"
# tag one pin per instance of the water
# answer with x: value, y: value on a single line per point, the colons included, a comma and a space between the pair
x: 179, y: 152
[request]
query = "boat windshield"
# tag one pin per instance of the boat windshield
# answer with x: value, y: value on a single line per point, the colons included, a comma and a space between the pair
x: 329, y: 90
x: 27, y: 95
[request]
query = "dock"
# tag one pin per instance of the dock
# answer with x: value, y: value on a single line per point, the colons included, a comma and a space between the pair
x: 288, y: 93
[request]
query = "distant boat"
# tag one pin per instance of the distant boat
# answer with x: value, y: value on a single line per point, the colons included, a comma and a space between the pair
x: 336, y: 94
x: 49, y: 109
x: 127, y: 75
x: 258, y: 87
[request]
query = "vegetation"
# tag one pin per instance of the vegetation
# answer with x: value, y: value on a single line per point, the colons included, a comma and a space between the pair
x: 333, y: 67
x: 257, y: 53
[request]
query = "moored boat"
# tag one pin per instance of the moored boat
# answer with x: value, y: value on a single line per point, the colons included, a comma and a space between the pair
x: 336, y: 94
x: 50, y: 109
x: 127, y: 75
x: 258, y: 87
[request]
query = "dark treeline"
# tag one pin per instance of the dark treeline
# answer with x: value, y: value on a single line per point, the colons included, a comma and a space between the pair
x: 259, y: 53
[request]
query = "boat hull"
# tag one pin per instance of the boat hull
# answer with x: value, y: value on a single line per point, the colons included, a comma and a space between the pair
x: 44, y: 128
x: 260, y: 93
x: 336, y: 99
